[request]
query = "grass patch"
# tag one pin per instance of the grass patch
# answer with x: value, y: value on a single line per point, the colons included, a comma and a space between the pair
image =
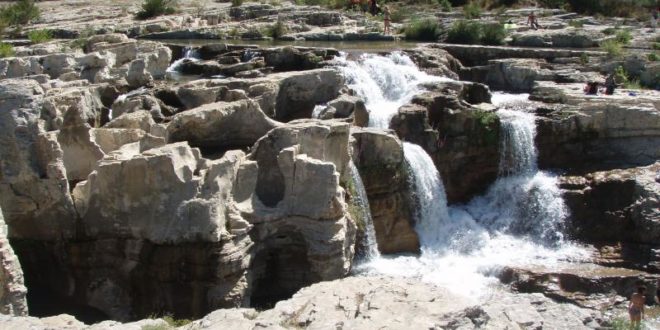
x: 613, y: 48
x: 472, y: 10
x: 584, y: 59
x: 40, y: 36
x: 493, y: 34
x: 623, y: 37
x: 6, y: 50
x: 154, y: 8
x: 472, y: 32
x: 445, y: 5
x: 20, y: 13
x: 576, y: 23
x: 276, y: 30
x: 425, y: 30
x: 236, y: 3
x: 653, y: 57
x: 176, y: 322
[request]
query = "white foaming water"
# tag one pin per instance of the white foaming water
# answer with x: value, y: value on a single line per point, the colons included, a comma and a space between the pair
x: 371, y: 244
x: 316, y: 113
x: 384, y: 82
x: 190, y: 54
x: 516, y: 223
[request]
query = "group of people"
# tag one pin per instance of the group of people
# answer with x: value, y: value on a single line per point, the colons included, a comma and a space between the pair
x: 592, y: 87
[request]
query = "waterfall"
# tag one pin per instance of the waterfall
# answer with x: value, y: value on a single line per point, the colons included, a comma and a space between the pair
x: 431, y: 213
x: 362, y: 202
x: 517, y: 222
x: 189, y: 54
x: 384, y: 82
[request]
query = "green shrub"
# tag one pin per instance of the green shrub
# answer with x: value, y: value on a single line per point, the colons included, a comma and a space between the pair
x: 576, y: 23
x: 464, y: 32
x: 584, y: 59
x: 612, y: 47
x: 624, y: 37
x: 236, y: 3
x: 552, y: 3
x: 623, y: 8
x: 175, y: 322
x: 425, y: 30
x: 399, y: 14
x: 620, y: 75
x: 610, y: 31
x: 493, y: 34
x: 20, y: 13
x: 472, y: 10
x: 276, y: 30
x: 656, y: 45
x: 153, y: 8
x: 6, y: 50
x: 445, y: 5
x: 653, y: 57
x: 39, y: 36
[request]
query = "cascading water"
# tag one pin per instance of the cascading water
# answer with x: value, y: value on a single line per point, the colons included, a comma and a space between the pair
x: 371, y: 245
x: 189, y: 54
x: 516, y: 223
x: 384, y: 82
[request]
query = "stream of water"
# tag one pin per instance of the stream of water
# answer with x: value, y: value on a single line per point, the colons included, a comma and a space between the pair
x: 517, y: 222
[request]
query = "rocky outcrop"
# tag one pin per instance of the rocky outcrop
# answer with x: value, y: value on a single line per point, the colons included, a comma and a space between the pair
x: 221, y: 125
x: 283, y: 96
x: 12, y: 289
x: 620, y: 205
x: 462, y: 138
x: 379, y: 158
x: 34, y: 190
x: 596, y: 132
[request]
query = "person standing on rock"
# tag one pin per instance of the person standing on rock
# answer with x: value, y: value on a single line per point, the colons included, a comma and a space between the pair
x: 386, y: 20
x: 610, y: 84
x: 533, y: 21
x: 636, y: 307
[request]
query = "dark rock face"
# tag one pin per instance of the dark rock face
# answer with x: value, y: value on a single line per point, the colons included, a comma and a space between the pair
x: 462, y: 139
x: 379, y: 159
x: 615, y: 206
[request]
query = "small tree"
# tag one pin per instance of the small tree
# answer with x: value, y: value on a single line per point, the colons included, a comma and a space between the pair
x: 153, y: 8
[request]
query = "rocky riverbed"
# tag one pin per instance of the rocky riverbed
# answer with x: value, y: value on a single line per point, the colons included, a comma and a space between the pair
x: 140, y: 178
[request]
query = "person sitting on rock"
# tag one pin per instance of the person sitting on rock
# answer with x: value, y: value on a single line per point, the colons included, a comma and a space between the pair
x: 533, y: 21
x: 636, y: 307
x: 610, y: 84
x: 591, y: 88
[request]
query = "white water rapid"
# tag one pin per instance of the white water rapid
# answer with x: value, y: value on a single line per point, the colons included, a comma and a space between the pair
x: 384, y: 82
x: 370, y: 244
x: 189, y: 53
x: 517, y: 222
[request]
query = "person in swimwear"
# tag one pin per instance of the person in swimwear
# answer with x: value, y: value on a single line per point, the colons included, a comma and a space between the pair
x: 636, y: 307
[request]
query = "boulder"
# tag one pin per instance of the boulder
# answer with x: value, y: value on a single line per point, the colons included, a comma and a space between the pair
x: 12, y: 289
x: 34, y: 191
x: 138, y: 120
x: 56, y: 65
x: 221, y: 125
x: 139, y: 102
x: 79, y: 150
x: 299, y: 92
x: 620, y: 205
x: 379, y: 158
x: 14, y: 67
x: 137, y: 75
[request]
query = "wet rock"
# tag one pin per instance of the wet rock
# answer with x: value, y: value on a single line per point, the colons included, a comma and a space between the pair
x: 615, y: 206
x: 379, y: 158
x: 459, y: 137
x: 12, y: 289
x: 221, y: 125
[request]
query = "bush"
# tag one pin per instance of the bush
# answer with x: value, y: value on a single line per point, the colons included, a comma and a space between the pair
x: 493, y: 34
x: 465, y: 32
x: 276, y: 30
x: 39, y: 36
x: 472, y: 10
x: 624, y: 37
x: 398, y: 15
x: 576, y: 23
x: 20, y: 13
x: 584, y: 59
x: 653, y: 57
x: 552, y: 3
x: 236, y: 3
x: 612, y: 48
x: 445, y: 5
x: 6, y: 50
x: 425, y: 30
x: 153, y: 8
x: 624, y: 8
